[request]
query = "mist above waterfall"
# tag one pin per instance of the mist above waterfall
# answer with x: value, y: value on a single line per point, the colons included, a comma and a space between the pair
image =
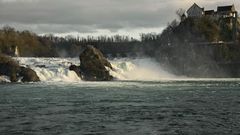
x: 139, y: 69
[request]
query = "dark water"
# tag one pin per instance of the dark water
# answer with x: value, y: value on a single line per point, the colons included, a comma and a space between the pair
x: 121, y: 108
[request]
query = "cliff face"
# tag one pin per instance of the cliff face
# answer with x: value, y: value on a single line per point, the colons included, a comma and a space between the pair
x: 203, y: 29
x: 199, y: 47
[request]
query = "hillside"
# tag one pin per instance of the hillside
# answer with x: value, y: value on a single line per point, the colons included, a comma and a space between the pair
x: 28, y: 43
x: 197, y: 47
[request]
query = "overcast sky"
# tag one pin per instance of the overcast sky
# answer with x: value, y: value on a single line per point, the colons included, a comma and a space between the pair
x: 94, y: 17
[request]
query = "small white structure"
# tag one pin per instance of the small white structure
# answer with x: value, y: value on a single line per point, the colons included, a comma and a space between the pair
x: 195, y: 11
x: 16, y: 52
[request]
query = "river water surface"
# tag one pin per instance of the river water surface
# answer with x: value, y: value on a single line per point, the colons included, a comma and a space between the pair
x: 122, y: 107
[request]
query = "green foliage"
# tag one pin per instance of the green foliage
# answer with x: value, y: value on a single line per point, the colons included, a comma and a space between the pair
x: 7, y: 59
x: 202, y: 29
x: 28, y: 43
x: 209, y: 28
x: 226, y: 30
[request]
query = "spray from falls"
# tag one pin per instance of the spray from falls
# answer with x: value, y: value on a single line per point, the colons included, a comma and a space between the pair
x: 139, y: 69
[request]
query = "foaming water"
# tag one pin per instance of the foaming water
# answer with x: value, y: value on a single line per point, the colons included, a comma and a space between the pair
x: 52, y: 69
x: 145, y: 69
x: 56, y: 69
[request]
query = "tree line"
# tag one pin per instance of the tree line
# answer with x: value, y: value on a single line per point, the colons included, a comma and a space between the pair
x: 174, y: 37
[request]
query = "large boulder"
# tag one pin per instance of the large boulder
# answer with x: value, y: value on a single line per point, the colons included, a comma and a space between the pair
x: 28, y: 75
x: 93, y: 66
x: 10, y: 68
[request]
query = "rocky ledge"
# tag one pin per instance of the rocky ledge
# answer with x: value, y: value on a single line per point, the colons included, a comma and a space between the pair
x: 11, y: 69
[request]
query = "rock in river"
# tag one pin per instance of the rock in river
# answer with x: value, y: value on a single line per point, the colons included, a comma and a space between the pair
x: 10, y: 68
x: 93, y: 66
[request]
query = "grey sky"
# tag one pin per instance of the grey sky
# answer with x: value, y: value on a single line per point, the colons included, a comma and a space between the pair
x: 96, y: 16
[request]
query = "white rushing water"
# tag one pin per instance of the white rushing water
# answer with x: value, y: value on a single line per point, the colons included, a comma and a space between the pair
x: 145, y: 69
x: 56, y: 69
x: 51, y: 69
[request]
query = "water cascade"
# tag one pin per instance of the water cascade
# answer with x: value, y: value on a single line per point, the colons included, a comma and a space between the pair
x: 56, y: 69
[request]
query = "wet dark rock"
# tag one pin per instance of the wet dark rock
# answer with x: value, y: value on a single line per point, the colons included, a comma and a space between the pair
x: 41, y: 66
x: 76, y: 69
x: 94, y: 66
x: 14, y: 71
x: 28, y: 75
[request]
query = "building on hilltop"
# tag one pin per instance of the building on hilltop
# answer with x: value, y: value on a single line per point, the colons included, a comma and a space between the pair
x: 209, y: 12
x: 222, y: 11
x: 227, y: 15
x: 230, y: 16
x: 226, y: 11
x: 195, y: 11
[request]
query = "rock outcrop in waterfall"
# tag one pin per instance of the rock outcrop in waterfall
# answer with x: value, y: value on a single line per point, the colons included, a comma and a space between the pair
x: 11, y: 69
x: 93, y: 66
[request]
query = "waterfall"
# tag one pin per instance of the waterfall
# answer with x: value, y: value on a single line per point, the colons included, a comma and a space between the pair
x: 56, y: 69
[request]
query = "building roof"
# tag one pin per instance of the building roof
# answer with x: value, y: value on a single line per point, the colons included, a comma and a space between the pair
x: 226, y: 8
x: 209, y: 12
x: 195, y: 5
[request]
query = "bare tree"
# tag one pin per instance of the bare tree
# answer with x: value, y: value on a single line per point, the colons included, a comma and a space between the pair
x: 180, y: 13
